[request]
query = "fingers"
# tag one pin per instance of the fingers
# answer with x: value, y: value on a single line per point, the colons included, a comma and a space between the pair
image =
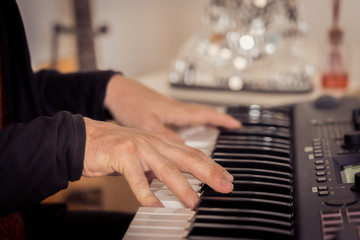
x: 140, y: 186
x: 146, y: 157
x: 166, y: 162
x: 202, y: 167
x: 169, y: 174
x: 193, y: 114
x: 209, y: 115
x: 193, y: 161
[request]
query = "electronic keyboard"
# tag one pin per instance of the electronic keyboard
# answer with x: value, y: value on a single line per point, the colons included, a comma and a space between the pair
x: 296, y: 175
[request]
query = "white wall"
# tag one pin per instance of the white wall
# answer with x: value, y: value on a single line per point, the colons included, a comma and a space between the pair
x: 145, y: 34
x: 317, y: 14
x: 39, y: 16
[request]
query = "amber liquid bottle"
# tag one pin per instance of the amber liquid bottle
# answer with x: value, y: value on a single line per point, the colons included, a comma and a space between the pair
x: 334, y: 75
x: 335, y: 72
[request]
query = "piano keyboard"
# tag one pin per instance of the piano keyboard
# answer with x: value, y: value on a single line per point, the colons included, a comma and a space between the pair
x: 259, y: 156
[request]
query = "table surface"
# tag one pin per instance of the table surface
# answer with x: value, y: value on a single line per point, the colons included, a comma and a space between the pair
x: 158, y: 80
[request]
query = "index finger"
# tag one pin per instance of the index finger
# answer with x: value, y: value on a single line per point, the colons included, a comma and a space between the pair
x: 203, y: 114
x: 212, y: 116
x: 202, y: 167
x: 170, y: 175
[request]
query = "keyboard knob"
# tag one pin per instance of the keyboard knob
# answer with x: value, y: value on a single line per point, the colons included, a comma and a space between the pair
x: 356, y: 186
x: 356, y: 118
x: 352, y: 139
x: 326, y: 102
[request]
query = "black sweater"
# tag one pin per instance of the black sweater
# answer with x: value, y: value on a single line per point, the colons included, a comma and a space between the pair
x: 43, y: 146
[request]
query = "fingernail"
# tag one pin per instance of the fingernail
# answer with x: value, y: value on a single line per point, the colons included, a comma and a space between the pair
x: 228, y: 176
x: 238, y: 124
x: 227, y: 184
x: 158, y: 205
x: 235, y: 123
x: 195, y: 201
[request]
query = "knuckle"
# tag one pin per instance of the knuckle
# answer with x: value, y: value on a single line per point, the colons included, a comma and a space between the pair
x: 197, y: 152
x: 195, y: 156
x: 127, y: 146
x: 169, y: 167
x: 168, y: 170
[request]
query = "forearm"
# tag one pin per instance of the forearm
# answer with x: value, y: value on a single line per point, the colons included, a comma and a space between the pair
x: 81, y: 93
x: 38, y: 159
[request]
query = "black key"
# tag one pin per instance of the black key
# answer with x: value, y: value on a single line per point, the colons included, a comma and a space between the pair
x: 252, y: 156
x: 266, y: 172
x: 252, y: 149
x: 281, y: 133
x: 252, y: 143
x: 258, y: 187
x: 249, y: 194
x: 252, y: 221
x: 280, y: 113
x: 254, y: 139
x: 263, y: 178
x: 246, y: 213
x: 256, y: 164
x: 246, y: 203
x: 263, y: 121
x: 238, y: 231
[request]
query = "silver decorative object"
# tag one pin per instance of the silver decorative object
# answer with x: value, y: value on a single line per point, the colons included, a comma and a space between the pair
x: 245, y: 45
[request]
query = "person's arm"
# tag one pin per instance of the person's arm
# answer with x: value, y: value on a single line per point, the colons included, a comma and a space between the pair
x: 79, y: 93
x: 101, y: 95
x: 132, y: 104
x: 39, y: 158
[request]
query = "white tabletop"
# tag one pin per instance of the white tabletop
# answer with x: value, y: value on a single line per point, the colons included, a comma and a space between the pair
x: 158, y: 80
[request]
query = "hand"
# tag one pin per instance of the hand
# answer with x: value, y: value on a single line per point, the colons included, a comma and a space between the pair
x: 134, y: 105
x: 132, y: 152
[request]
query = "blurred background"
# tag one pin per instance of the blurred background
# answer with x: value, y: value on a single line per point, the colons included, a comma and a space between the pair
x: 139, y: 37
x: 145, y: 35
x: 142, y: 35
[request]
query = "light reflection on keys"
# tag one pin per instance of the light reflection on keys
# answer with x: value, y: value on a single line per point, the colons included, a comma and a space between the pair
x: 159, y: 223
x: 200, y: 137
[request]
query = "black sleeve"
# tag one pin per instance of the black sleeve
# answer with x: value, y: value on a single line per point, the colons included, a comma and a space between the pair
x: 32, y: 95
x: 80, y: 93
x: 37, y: 159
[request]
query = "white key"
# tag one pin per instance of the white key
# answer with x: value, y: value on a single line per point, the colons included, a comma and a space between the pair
x: 159, y: 223
x: 200, y: 137
x: 168, y: 199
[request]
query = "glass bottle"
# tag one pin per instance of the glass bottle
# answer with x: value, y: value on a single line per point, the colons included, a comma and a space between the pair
x: 335, y: 72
